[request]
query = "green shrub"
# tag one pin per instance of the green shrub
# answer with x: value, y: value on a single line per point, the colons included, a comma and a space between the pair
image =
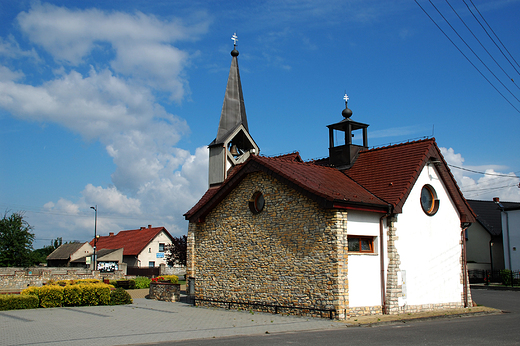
x: 102, y: 293
x: 18, y: 301
x: 113, y: 283
x: 33, y: 290
x: 72, y: 295
x: 142, y: 282
x: 63, y: 282
x: 119, y: 297
x: 505, y: 275
x: 51, y: 296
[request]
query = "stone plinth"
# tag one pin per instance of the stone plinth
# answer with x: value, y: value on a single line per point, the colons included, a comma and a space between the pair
x: 165, y: 291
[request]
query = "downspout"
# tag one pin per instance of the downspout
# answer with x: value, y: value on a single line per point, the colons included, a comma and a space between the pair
x: 464, y: 264
x: 382, y: 260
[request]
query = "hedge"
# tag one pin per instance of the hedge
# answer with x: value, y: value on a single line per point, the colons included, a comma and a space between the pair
x: 70, y: 295
x: 17, y: 301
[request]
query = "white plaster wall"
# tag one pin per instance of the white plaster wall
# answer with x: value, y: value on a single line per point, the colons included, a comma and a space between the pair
x: 512, y: 222
x: 364, y: 270
x: 150, y: 251
x: 429, y: 246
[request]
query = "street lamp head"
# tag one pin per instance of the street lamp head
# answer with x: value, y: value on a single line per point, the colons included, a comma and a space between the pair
x: 93, y: 208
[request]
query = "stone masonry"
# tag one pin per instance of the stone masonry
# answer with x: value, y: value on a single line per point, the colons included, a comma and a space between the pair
x: 293, y: 253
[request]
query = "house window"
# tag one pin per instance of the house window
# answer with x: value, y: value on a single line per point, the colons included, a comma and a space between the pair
x: 151, y: 264
x: 257, y: 202
x: 429, y: 201
x: 360, y: 244
x: 161, y: 247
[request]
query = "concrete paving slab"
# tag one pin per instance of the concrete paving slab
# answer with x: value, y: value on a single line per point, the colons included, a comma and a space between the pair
x: 145, y: 321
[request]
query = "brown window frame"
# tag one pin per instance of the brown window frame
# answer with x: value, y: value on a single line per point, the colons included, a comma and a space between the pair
x: 360, y: 238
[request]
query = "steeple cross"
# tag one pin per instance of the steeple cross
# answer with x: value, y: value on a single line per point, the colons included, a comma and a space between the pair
x: 235, y: 39
x: 345, y: 98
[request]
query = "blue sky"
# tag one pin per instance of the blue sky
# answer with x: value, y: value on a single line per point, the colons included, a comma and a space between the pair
x: 113, y: 103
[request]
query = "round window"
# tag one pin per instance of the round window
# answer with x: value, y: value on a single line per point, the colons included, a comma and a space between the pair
x: 429, y: 201
x: 257, y: 202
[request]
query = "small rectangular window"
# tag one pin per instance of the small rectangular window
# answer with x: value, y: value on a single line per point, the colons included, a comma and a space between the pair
x: 161, y: 247
x: 151, y: 264
x: 360, y: 244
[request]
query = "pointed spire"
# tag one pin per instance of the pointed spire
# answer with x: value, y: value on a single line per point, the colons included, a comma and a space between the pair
x: 233, y: 110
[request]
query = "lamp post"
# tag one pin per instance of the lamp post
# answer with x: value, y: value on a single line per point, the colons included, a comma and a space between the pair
x: 95, y: 235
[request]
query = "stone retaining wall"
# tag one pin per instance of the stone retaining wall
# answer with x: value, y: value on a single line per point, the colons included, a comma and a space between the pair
x: 17, y: 279
x: 165, y: 291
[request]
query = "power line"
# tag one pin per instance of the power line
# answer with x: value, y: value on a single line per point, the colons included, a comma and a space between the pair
x: 472, y: 51
x: 464, y: 55
x: 476, y: 38
x: 485, y: 173
x: 489, y: 26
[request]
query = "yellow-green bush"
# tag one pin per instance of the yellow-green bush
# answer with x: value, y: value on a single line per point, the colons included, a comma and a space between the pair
x: 18, y: 301
x: 172, y: 278
x: 50, y: 296
x: 72, y: 295
x: 87, y: 281
x: 95, y: 294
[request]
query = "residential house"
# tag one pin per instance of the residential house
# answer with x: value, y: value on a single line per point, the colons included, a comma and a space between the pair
x: 107, y: 260
x: 511, y: 235
x: 143, y: 247
x: 66, y: 254
x: 365, y: 231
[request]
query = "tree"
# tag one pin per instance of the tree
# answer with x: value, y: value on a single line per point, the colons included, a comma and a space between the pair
x: 175, y: 253
x: 15, y: 241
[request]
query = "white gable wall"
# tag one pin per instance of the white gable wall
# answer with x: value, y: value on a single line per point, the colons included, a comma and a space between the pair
x: 151, y: 251
x: 364, y: 270
x: 429, y: 247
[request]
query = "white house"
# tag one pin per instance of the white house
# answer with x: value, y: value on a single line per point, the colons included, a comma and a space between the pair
x: 143, y: 247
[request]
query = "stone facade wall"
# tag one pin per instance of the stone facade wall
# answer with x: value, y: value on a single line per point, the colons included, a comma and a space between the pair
x: 293, y: 253
x: 17, y: 279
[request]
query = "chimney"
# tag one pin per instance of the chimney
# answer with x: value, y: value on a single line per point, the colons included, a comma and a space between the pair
x: 141, y: 228
x: 496, y: 199
x: 111, y: 234
x: 149, y: 226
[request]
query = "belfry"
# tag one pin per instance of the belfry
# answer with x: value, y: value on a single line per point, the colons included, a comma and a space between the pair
x: 233, y: 144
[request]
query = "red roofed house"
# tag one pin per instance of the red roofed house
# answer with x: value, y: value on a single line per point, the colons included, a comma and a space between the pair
x: 142, y: 247
x: 365, y: 231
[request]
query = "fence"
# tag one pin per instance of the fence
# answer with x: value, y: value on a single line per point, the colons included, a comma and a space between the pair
x: 264, y: 307
x: 143, y: 271
x: 505, y: 277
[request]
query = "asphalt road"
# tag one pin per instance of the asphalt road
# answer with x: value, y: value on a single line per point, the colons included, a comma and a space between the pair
x: 502, y: 329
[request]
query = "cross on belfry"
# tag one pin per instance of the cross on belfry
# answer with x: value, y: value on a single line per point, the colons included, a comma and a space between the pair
x: 234, y: 38
x: 345, y: 98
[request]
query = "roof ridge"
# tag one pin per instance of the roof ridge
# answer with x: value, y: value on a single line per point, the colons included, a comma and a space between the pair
x: 432, y: 139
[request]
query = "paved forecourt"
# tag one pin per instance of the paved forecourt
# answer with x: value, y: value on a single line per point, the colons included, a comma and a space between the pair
x: 145, y: 321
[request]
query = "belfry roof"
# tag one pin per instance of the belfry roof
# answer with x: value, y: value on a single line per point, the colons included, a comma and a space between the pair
x: 233, y: 109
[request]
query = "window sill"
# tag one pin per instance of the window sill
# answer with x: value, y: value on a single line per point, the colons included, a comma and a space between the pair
x: 363, y: 253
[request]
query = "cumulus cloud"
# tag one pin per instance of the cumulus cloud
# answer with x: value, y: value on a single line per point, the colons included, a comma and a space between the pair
x: 491, y: 181
x: 142, y: 44
x: 113, y: 102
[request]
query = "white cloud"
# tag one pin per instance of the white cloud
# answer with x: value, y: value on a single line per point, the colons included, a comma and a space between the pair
x: 114, y: 103
x: 142, y: 44
x: 493, y: 183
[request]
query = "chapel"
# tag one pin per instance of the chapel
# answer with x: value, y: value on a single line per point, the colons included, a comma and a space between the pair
x: 364, y: 231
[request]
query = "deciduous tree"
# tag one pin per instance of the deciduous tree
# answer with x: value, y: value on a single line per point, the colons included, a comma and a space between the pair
x: 16, y: 241
x: 176, y: 252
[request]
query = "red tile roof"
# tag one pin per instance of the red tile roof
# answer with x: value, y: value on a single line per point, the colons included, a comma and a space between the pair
x: 132, y: 241
x: 379, y: 178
